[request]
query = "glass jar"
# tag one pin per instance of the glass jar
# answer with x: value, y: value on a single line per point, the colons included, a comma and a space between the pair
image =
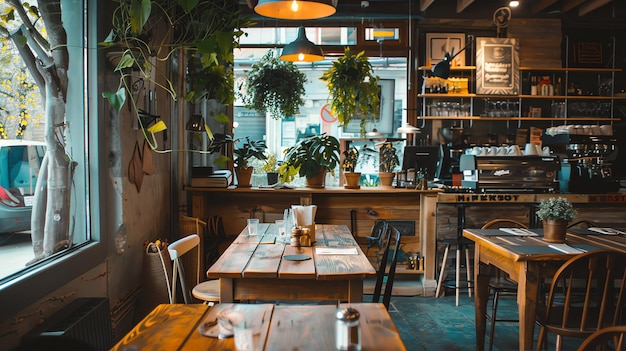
x: 347, y: 330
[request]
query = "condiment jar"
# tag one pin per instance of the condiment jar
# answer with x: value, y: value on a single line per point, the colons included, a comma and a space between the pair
x: 296, y: 233
x: 305, y: 237
x: 347, y: 330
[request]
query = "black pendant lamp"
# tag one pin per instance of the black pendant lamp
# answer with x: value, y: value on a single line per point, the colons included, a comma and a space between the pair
x: 302, y: 49
x: 295, y: 9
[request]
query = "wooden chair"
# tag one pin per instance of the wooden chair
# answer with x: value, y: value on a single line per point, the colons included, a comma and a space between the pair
x: 385, y: 276
x: 499, y: 285
x: 207, y: 291
x: 586, y: 294
x: 609, y: 338
x: 583, y: 223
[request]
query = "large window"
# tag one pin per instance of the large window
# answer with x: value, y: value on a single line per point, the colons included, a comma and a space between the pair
x: 280, y: 134
x: 30, y: 281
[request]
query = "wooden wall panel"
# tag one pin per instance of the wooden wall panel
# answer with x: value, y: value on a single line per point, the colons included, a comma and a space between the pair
x: 540, y: 41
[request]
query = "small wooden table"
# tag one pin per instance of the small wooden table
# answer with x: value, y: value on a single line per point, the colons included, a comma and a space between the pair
x: 528, y: 260
x: 303, y: 328
x: 255, y: 267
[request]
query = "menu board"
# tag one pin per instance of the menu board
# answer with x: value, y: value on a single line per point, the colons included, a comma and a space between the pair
x: 497, y: 66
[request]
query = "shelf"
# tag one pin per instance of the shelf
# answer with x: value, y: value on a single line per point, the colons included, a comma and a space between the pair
x: 553, y: 97
x: 484, y: 118
x: 455, y: 68
x: 576, y: 69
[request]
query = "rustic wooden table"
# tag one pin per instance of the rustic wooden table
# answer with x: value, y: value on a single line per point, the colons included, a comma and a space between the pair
x: 528, y: 260
x: 289, y: 327
x: 257, y: 267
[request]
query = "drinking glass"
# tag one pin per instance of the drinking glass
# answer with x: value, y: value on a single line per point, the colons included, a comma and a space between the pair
x: 253, y: 226
x: 280, y: 227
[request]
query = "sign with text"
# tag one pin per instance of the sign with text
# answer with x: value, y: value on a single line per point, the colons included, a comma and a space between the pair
x: 497, y: 66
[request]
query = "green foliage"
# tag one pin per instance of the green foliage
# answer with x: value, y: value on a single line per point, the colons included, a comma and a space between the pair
x: 309, y: 156
x: 275, y: 86
x: 353, y: 88
x: 249, y: 149
x: 556, y: 208
x: 349, y: 162
x: 271, y: 164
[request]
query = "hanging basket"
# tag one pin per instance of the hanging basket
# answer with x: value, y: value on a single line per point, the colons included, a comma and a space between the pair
x: 156, y: 279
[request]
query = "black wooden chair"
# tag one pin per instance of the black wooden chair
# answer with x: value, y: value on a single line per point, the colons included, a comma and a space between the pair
x: 387, y: 267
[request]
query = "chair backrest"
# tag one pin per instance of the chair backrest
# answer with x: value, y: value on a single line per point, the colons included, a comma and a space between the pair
x: 609, y: 338
x: 383, y: 275
x: 504, y: 223
x: 587, y: 294
x: 583, y: 223
x: 177, y: 250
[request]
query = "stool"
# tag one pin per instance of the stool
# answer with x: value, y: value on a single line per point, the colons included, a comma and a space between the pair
x: 461, y: 244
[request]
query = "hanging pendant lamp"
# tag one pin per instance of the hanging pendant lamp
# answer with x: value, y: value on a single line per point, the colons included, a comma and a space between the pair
x: 295, y: 9
x: 302, y: 49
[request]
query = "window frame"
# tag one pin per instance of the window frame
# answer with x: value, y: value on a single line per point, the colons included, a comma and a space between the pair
x: 61, y: 269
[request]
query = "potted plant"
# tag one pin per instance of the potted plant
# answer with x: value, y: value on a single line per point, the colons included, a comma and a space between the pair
x: 388, y: 161
x: 353, y: 88
x: 311, y: 157
x: 555, y: 213
x: 348, y: 165
x: 275, y: 86
x: 270, y: 167
x: 248, y: 150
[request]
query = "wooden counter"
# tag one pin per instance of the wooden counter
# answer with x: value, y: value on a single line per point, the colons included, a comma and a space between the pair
x: 356, y: 208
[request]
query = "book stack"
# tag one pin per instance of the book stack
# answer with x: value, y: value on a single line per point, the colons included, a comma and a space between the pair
x: 219, y: 179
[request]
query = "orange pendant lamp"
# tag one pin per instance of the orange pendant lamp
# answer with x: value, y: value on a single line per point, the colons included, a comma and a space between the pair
x: 295, y: 9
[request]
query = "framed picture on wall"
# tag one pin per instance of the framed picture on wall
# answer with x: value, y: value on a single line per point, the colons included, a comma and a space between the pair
x: 384, y: 123
x: 438, y: 44
x: 497, y: 66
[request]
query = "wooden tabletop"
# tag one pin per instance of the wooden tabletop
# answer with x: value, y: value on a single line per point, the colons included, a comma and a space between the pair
x: 528, y: 260
x: 255, y: 267
x: 283, y: 327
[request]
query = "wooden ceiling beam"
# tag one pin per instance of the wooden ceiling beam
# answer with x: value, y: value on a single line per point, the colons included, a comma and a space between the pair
x: 541, y: 5
x: 462, y: 5
x: 569, y: 5
x: 592, y: 6
x: 424, y: 4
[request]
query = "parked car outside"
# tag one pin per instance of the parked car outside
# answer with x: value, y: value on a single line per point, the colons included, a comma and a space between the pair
x: 20, y: 161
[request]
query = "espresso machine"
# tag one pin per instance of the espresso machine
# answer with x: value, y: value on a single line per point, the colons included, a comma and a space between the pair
x: 586, y: 162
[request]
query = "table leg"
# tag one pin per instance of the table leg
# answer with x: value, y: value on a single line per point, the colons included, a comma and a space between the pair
x: 226, y: 290
x: 356, y: 290
x: 527, y: 296
x: 482, y: 274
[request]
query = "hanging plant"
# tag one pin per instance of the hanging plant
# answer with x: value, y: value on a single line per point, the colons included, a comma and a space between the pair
x: 275, y: 86
x: 353, y: 88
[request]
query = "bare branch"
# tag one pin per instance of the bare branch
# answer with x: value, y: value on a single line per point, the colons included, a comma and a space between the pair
x: 19, y: 8
x: 29, y: 60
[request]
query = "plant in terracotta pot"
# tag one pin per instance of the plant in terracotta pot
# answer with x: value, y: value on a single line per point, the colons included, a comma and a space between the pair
x: 349, y: 163
x: 556, y: 213
x: 270, y: 167
x: 248, y: 150
x: 311, y: 157
x: 388, y: 161
x: 353, y: 88
x: 275, y: 86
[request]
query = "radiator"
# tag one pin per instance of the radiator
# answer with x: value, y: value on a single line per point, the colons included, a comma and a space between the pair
x: 86, y: 320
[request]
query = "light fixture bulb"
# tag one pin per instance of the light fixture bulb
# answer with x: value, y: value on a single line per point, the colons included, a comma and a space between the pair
x: 294, y: 6
x: 514, y: 3
x: 300, y: 57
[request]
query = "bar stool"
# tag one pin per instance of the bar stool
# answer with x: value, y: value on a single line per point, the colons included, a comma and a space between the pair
x: 462, y: 246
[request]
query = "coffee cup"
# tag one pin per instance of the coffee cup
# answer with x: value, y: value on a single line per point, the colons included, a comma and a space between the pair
x: 513, y: 150
x: 530, y: 150
x: 545, y: 151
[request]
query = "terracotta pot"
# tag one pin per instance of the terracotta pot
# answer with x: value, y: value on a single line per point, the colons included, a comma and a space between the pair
x: 243, y: 177
x: 386, y: 178
x: 317, y: 181
x: 554, y: 231
x: 352, y: 180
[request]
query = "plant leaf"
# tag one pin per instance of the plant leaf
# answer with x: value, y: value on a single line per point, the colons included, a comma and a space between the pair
x: 222, y: 118
x: 222, y: 161
x: 139, y: 14
x: 116, y: 99
x: 188, y: 5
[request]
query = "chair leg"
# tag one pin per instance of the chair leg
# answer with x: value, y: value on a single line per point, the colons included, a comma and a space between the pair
x: 442, y: 272
x: 458, y: 275
x: 492, y: 326
x: 468, y: 271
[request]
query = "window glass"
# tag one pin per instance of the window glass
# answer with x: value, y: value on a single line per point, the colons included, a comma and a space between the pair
x: 22, y: 129
x: 285, y: 35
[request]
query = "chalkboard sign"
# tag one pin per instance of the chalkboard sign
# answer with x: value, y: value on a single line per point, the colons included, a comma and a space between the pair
x: 497, y: 66
x: 406, y: 228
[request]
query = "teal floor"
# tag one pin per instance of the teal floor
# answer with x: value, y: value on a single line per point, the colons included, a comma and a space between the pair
x: 428, y: 323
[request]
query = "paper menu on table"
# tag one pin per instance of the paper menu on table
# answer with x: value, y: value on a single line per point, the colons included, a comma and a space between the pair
x: 566, y: 248
x: 519, y: 231
x: 336, y: 251
x: 606, y: 231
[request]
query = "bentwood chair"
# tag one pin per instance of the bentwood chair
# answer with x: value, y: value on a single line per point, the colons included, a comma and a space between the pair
x: 387, y: 267
x: 207, y: 291
x: 609, y: 338
x: 586, y: 294
x: 499, y: 285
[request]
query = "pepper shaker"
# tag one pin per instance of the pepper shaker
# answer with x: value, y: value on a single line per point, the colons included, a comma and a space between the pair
x: 347, y: 330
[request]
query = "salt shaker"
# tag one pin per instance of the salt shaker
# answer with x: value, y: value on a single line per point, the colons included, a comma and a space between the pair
x: 347, y: 330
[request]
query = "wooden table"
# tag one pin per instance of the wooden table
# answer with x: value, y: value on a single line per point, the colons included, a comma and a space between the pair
x: 254, y: 267
x: 284, y: 327
x: 528, y: 260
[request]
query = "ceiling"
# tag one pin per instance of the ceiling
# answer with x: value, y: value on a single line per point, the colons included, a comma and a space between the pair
x: 608, y: 13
